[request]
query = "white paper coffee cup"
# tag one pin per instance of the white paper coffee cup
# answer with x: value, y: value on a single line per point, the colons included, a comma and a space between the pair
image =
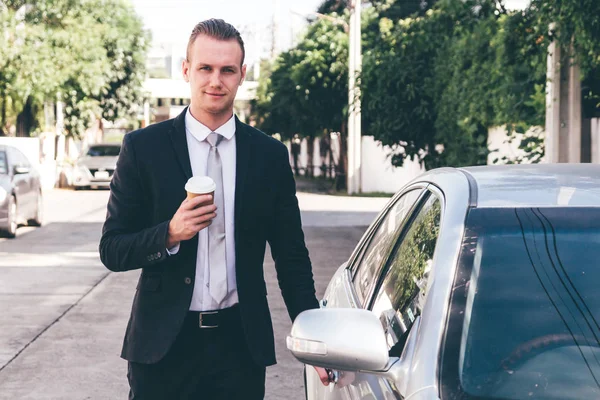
x: 199, y: 185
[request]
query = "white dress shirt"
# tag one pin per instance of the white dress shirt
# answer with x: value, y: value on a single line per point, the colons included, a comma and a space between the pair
x: 198, y: 147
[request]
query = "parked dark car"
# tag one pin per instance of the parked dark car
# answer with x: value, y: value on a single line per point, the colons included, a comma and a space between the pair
x: 20, y: 192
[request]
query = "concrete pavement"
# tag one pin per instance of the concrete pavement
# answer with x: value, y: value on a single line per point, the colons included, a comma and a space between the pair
x: 63, y: 314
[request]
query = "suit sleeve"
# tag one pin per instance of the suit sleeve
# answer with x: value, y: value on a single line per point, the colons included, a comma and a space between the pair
x: 127, y: 242
x: 286, y: 239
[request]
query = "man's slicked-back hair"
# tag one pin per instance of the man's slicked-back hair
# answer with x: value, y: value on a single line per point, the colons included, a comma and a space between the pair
x: 216, y: 29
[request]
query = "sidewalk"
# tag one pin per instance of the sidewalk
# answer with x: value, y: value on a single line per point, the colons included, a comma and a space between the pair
x: 75, y: 355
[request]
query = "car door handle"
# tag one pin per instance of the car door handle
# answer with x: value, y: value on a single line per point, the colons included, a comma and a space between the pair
x: 332, y: 375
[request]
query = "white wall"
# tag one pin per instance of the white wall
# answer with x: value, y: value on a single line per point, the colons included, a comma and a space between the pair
x: 377, y: 172
x: 498, y: 146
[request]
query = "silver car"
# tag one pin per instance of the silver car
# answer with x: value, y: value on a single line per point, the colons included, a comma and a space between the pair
x: 480, y: 282
x: 95, y: 168
x: 21, y: 200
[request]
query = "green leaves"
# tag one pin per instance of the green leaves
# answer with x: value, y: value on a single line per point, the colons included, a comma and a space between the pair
x: 307, y: 91
x: 91, y: 52
x: 434, y: 84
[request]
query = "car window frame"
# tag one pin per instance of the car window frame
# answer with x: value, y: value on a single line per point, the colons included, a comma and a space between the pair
x: 359, y: 252
x: 24, y: 161
x: 5, y: 161
x: 428, y: 193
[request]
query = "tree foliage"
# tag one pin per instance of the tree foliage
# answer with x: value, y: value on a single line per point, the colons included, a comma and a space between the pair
x: 446, y: 77
x: 90, y: 53
x: 437, y: 75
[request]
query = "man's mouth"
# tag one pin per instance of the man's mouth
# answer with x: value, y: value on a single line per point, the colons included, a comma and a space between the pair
x: 215, y: 94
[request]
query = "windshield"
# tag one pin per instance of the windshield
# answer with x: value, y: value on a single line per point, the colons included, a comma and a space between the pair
x: 525, y: 310
x: 106, y: 151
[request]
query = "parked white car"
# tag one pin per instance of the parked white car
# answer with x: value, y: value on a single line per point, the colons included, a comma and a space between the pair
x: 474, y: 283
x: 95, y: 168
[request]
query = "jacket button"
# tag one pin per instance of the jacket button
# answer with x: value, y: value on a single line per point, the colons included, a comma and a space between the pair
x: 158, y: 254
x: 188, y: 280
x: 149, y: 258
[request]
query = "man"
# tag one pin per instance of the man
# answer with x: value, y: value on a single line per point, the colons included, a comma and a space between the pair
x: 200, y: 325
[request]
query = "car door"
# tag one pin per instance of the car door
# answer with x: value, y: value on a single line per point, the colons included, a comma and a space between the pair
x: 27, y: 194
x: 352, y: 284
x: 396, y: 294
x: 19, y: 182
x: 401, y: 292
x: 5, y: 186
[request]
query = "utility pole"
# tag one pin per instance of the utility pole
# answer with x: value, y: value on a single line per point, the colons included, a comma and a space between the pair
x: 274, y: 29
x: 563, y: 106
x: 354, y: 106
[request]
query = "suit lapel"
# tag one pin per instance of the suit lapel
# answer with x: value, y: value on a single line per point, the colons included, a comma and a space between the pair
x: 243, y: 151
x: 179, y: 141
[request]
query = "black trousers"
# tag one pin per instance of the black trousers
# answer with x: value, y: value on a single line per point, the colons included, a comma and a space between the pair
x: 211, y: 364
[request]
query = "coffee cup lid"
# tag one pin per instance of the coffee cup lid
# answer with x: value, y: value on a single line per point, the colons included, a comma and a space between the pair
x: 200, y: 185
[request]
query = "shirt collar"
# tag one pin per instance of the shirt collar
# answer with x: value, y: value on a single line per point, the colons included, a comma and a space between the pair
x: 201, y: 131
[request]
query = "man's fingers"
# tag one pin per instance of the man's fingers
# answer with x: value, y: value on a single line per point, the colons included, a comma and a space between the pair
x: 196, y: 212
x: 201, y: 219
x: 190, y: 204
x: 323, y: 376
x: 201, y: 226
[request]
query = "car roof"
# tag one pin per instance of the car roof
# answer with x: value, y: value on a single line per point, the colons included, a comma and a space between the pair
x: 523, y: 185
x: 106, y: 144
x: 552, y: 185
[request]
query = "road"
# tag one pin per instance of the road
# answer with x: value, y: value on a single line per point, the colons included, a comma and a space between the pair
x: 63, y: 314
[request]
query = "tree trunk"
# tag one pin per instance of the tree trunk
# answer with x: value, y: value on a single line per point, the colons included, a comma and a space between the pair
x: 26, y: 119
x: 310, y: 150
x: 340, y: 173
x: 3, y: 115
x: 295, y: 153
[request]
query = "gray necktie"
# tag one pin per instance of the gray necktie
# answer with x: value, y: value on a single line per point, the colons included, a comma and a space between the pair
x: 217, y: 258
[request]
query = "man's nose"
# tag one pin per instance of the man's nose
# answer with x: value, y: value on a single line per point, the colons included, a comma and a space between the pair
x: 215, y: 79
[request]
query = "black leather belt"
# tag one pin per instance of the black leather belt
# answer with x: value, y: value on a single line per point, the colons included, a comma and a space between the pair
x: 215, y: 318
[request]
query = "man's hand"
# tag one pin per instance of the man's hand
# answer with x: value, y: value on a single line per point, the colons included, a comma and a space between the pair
x: 323, y: 375
x: 190, y: 219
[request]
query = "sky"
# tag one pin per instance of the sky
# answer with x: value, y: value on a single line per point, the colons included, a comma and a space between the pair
x: 171, y: 21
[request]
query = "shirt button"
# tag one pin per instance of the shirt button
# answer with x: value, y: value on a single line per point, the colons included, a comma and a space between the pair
x: 188, y: 280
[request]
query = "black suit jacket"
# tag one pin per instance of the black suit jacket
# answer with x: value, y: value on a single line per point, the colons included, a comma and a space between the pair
x: 147, y: 189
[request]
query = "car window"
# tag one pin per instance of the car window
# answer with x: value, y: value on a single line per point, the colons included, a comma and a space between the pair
x: 103, y: 151
x: 375, y: 253
x: 525, y: 306
x: 400, y: 298
x: 3, y: 163
x: 22, y: 159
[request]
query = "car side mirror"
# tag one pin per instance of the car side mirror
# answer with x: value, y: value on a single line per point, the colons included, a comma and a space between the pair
x: 339, y: 338
x: 21, y: 170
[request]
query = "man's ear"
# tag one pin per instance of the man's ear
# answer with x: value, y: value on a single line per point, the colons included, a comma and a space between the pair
x: 185, y: 70
x: 243, y: 74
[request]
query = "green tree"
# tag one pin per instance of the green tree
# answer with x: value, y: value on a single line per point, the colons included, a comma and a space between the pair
x: 307, y: 92
x: 89, y: 52
x: 434, y: 84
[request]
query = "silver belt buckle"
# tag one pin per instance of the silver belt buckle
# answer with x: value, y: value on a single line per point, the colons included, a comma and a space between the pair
x: 207, y: 326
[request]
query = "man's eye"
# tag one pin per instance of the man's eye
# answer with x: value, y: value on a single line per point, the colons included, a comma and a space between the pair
x: 204, y: 68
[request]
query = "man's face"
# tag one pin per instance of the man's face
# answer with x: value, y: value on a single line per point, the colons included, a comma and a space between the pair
x: 214, y: 73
